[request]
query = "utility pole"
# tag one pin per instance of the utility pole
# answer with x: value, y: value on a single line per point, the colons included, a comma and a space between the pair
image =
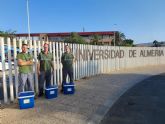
x: 27, y: 2
x: 83, y: 29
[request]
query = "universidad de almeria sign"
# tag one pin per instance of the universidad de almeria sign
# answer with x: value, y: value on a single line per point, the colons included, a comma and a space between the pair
x: 96, y: 54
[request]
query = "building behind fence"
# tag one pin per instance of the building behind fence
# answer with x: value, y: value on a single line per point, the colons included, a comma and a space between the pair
x: 89, y: 60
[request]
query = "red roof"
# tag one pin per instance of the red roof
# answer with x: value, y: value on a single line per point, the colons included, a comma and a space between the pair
x: 66, y: 34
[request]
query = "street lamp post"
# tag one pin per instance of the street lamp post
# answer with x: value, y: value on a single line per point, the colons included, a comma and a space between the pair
x: 27, y: 1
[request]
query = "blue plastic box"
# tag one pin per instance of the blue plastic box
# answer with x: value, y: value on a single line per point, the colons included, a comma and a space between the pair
x: 26, y: 99
x: 51, y: 92
x: 68, y: 88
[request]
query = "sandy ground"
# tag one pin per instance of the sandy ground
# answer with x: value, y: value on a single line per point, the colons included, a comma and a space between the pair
x: 93, y: 98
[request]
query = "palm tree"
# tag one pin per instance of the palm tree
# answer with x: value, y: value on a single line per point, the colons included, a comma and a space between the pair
x: 156, y: 43
x: 120, y: 37
x: 95, y: 39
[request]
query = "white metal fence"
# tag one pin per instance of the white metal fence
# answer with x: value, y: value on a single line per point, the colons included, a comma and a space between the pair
x: 89, y: 60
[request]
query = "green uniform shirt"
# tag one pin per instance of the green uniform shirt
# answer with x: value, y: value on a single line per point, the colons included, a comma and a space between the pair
x: 67, y: 60
x: 45, y: 61
x: 25, y: 68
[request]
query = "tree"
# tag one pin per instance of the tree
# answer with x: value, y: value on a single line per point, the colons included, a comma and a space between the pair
x: 9, y: 33
x: 95, y: 39
x: 75, y: 38
x: 127, y: 42
x: 156, y: 43
x: 120, y: 37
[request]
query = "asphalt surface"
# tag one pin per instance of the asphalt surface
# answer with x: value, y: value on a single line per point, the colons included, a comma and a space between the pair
x: 144, y: 103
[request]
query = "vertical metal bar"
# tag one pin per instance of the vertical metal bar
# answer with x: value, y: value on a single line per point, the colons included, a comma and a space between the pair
x: 20, y: 45
x: 35, y: 64
x: 89, y: 62
x: 83, y: 59
x: 30, y: 47
x: 50, y: 50
x: 28, y: 19
x: 54, y: 64
x: 81, y: 63
x: 109, y: 63
x: 78, y: 62
x: 74, y: 64
x: 5, y: 94
x: 50, y: 47
x: 61, y: 47
x: 10, y: 70
x: 57, y: 50
x: 31, y: 51
x: 86, y: 60
x: 93, y: 62
x: 98, y: 62
x: 39, y: 46
x: 62, y: 51
x: 100, y: 48
x: 15, y: 66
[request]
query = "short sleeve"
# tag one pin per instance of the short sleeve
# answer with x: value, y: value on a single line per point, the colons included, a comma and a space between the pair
x: 18, y: 56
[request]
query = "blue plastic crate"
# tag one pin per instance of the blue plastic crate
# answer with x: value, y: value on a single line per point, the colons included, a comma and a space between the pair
x: 51, y: 92
x: 26, y: 99
x: 68, y: 88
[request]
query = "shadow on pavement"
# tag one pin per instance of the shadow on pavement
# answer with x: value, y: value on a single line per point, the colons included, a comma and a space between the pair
x: 144, y: 103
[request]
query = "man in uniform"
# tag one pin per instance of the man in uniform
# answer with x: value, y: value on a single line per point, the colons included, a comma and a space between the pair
x: 25, y: 63
x: 44, y: 68
x: 67, y: 62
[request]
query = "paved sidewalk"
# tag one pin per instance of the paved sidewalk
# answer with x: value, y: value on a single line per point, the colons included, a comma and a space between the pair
x: 92, y: 100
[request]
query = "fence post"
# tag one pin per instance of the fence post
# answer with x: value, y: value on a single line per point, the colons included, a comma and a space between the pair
x: 50, y: 50
x: 20, y: 45
x: 15, y: 66
x: 54, y: 64
x: 35, y: 64
x: 61, y: 47
x: 86, y: 59
x: 73, y: 51
x: 78, y: 62
x: 3, y: 70
x: 88, y: 63
x: 57, y: 63
x: 10, y: 70
x: 83, y: 60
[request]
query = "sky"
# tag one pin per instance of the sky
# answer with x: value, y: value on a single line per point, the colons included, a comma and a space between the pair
x: 140, y: 20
